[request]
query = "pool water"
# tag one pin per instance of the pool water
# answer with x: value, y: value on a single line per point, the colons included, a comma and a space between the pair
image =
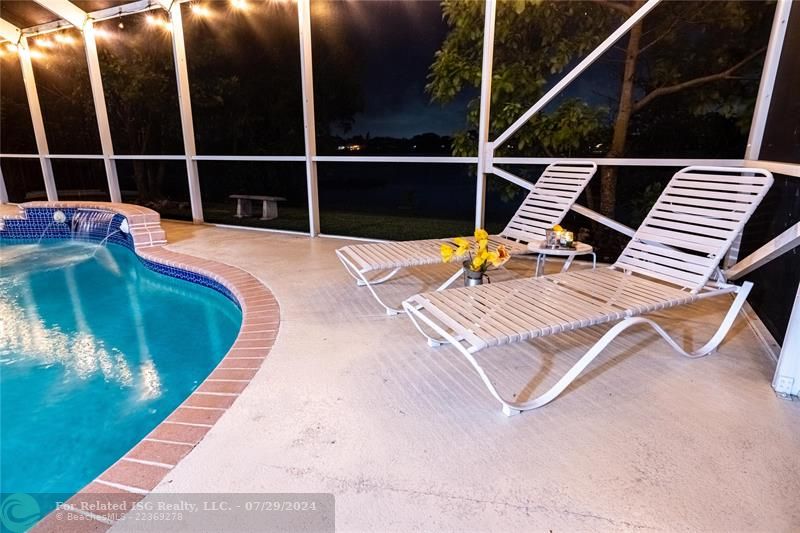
x: 95, y: 351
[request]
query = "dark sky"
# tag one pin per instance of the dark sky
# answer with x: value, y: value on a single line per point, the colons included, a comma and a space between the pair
x: 396, y: 42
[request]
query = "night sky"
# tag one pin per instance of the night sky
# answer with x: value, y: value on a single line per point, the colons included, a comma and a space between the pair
x: 396, y: 42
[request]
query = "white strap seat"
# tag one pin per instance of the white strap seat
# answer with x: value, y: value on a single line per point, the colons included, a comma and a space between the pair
x: 548, y: 201
x: 388, y: 255
x: 517, y: 310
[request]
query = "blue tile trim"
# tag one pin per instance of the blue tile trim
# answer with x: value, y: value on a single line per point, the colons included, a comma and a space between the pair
x: 38, y: 224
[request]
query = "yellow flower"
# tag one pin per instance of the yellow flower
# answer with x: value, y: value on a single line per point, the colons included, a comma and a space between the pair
x: 503, y: 253
x: 480, y: 234
x: 498, y: 258
x: 463, y: 246
x: 478, y: 261
x: 483, y: 244
x: 447, y: 253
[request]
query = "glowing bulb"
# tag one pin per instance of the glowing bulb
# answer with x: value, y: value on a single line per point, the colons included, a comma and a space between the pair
x: 11, y: 48
x: 64, y: 39
x: 199, y: 10
x: 151, y: 20
x: 239, y: 4
x: 121, y: 25
x: 44, y: 43
x: 36, y: 54
x: 101, y: 33
x: 166, y: 25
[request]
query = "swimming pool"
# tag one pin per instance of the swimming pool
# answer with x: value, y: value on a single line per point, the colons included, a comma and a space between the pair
x: 95, y: 350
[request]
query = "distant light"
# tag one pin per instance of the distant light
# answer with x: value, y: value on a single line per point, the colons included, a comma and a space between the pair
x: 64, y: 39
x: 239, y: 4
x: 199, y: 10
x: 150, y: 20
x: 101, y: 33
x: 11, y: 47
x: 44, y: 43
x: 36, y: 54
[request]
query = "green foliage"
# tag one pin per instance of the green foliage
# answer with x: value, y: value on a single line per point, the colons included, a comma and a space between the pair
x: 536, y: 41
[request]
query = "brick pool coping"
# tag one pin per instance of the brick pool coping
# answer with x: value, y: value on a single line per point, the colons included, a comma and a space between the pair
x: 143, y: 467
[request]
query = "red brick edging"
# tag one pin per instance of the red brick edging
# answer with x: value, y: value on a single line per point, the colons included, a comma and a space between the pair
x: 143, y: 467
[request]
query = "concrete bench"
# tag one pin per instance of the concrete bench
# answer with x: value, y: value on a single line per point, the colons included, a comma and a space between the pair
x: 269, y: 205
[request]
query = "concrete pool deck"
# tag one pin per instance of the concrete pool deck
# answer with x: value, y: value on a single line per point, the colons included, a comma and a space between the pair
x: 354, y: 403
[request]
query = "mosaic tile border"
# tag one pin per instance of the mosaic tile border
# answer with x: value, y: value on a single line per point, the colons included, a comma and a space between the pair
x: 36, y: 223
x: 143, y: 467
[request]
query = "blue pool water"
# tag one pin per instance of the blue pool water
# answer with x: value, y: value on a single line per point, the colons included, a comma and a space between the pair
x: 95, y: 350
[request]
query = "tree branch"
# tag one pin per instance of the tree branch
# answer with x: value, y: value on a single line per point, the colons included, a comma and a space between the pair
x: 670, y: 89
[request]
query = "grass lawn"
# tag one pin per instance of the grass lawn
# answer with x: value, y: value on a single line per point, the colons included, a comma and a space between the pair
x: 370, y: 225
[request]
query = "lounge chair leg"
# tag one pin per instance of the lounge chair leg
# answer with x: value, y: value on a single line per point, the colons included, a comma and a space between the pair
x: 510, y: 411
x: 363, y: 281
x: 451, y: 280
x: 512, y: 408
x: 387, y: 277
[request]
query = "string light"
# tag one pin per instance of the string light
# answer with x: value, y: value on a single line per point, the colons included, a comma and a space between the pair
x: 102, y: 33
x: 44, y: 43
x: 157, y: 21
x: 64, y: 39
x: 199, y: 10
x: 239, y: 4
x: 36, y: 54
x: 11, y: 47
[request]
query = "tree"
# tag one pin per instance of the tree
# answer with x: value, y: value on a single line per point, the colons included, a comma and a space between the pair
x: 706, y: 53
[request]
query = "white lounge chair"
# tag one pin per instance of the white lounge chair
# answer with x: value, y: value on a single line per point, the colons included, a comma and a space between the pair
x: 668, y: 262
x: 550, y: 198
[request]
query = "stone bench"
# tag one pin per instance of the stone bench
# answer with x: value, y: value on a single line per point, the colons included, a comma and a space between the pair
x: 269, y: 205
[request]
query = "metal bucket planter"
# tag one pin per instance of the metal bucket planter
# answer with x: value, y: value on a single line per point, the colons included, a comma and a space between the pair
x: 472, y: 278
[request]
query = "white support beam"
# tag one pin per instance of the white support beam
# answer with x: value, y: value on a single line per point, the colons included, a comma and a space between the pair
x: 3, y: 191
x: 67, y: 11
x: 775, y: 248
x: 768, y: 74
x: 185, y: 104
x: 9, y: 32
x: 36, y: 118
x: 761, y: 109
x: 610, y: 222
x: 485, y: 150
x: 623, y: 161
x: 787, y: 376
x: 96, y: 81
x: 513, y: 178
x: 309, y: 126
x: 579, y: 68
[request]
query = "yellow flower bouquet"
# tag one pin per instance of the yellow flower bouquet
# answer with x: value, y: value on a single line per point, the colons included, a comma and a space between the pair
x: 476, y: 254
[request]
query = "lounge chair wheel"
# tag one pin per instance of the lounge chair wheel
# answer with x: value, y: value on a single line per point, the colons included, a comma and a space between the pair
x: 434, y: 344
x: 392, y: 312
x: 508, y: 411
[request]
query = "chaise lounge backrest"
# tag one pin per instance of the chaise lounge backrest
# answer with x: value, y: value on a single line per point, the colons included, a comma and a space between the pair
x: 693, y: 223
x: 549, y: 200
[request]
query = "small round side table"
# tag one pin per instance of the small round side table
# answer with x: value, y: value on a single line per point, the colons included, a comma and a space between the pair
x: 569, y: 253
